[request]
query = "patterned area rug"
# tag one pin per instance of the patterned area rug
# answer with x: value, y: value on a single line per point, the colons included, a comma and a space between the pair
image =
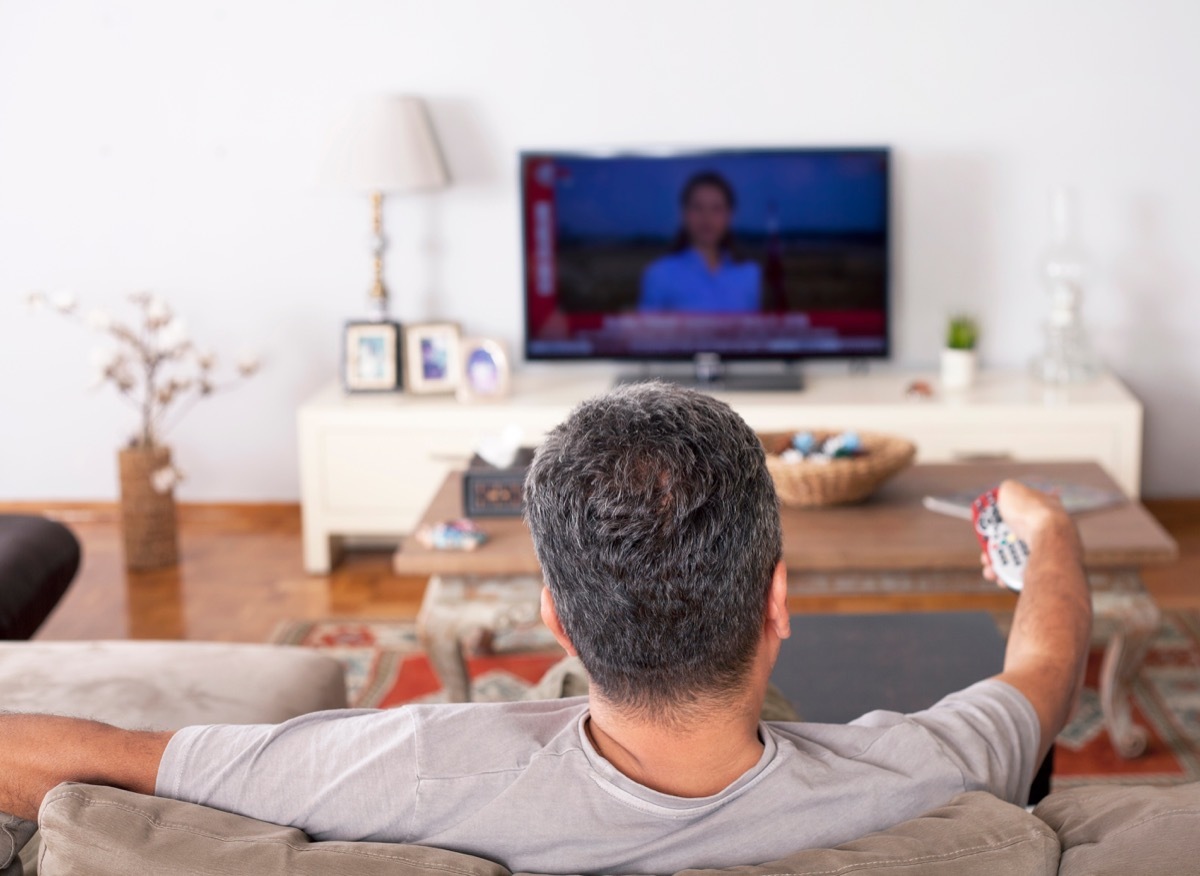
x: 1166, y: 701
x: 385, y: 667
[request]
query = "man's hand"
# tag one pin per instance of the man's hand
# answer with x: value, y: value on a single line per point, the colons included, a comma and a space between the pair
x: 1051, y: 631
x: 1029, y: 513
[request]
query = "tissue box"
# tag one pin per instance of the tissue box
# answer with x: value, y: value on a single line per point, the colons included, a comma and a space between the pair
x: 495, y: 492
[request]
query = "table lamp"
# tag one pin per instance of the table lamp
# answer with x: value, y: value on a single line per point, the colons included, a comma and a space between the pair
x: 384, y: 144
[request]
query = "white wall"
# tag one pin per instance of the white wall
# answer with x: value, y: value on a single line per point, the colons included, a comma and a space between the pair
x: 172, y: 146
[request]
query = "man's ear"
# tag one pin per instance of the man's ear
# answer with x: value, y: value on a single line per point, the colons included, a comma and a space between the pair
x: 777, y: 611
x: 550, y: 619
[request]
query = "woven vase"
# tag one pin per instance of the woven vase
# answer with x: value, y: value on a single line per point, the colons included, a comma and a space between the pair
x: 147, y: 516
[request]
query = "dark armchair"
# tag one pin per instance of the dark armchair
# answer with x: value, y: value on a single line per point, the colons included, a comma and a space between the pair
x: 38, y: 560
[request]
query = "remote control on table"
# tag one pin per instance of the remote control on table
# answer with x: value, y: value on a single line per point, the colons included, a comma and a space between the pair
x: 1007, y: 553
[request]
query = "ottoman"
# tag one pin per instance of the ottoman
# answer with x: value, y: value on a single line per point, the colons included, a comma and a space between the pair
x: 159, y: 686
x: 38, y: 559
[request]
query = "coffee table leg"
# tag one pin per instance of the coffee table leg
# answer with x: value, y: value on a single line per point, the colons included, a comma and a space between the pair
x: 460, y: 610
x: 1137, y: 621
x: 438, y: 630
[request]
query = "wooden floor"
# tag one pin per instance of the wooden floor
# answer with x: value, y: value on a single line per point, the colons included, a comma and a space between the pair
x: 241, y: 574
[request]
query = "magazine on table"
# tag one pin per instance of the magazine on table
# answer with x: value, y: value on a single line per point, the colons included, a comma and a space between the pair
x: 1076, y: 498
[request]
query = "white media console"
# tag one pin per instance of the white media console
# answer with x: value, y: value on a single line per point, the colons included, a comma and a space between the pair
x: 369, y: 464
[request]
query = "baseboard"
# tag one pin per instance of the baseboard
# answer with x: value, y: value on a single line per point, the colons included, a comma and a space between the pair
x: 233, y: 515
x: 1181, y: 510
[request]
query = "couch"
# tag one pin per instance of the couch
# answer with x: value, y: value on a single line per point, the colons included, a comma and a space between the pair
x: 158, y: 685
x: 93, y: 830
x: 1095, y: 831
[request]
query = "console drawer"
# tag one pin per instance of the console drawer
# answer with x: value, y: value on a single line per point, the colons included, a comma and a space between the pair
x: 1062, y: 442
x: 387, y: 471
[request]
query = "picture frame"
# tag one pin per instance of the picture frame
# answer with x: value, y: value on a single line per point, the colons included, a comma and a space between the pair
x: 371, y: 360
x: 432, y: 358
x: 485, y: 372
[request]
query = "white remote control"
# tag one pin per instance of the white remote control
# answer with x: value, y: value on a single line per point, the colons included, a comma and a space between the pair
x: 1007, y: 553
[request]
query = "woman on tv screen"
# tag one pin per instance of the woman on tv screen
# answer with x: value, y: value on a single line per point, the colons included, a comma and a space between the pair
x: 703, y: 273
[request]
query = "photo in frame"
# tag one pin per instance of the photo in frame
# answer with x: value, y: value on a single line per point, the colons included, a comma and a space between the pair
x: 371, y: 359
x: 485, y: 370
x: 432, y: 358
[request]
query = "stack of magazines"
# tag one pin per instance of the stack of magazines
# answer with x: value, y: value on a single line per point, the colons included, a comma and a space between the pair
x: 1076, y: 498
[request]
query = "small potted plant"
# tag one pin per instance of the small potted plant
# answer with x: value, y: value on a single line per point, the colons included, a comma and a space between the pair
x: 958, y: 357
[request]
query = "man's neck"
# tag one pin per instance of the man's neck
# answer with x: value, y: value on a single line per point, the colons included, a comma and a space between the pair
x: 700, y: 759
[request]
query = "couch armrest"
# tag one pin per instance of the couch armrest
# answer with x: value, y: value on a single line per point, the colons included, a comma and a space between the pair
x: 1125, y: 831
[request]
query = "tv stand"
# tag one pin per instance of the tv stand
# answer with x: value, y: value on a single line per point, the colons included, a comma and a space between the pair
x: 785, y: 382
x: 369, y: 464
x: 710, y: 373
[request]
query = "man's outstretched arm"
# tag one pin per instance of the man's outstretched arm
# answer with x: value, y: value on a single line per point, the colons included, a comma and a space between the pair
x: 38, y: 752
x: 1051, y: 630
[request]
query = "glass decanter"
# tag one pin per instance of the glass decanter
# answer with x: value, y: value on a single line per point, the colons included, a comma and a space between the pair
x: 1068, y: 357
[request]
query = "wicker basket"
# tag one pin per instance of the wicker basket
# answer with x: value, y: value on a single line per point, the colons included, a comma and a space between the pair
x: 839, y: 481
x: 147, y: 516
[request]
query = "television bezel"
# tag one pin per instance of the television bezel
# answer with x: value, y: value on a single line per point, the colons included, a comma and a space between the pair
x: 883, y: 152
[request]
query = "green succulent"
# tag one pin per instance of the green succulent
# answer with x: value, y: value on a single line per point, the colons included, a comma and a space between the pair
x: 962, y: 333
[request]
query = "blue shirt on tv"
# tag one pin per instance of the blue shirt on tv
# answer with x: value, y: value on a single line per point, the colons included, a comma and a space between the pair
x: 683, y: 282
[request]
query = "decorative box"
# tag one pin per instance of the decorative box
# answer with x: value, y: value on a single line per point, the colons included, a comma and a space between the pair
x: 495, y: 492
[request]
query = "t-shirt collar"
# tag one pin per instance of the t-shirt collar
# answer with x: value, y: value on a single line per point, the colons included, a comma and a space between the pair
x: 620, y: 786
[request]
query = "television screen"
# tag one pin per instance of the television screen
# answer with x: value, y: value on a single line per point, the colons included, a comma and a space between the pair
x: 751, y: 254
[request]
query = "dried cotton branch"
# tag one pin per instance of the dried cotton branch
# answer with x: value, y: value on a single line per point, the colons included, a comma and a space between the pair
x: 65, y: 303
x: 248, y: 365
x: 154, y: 364
x: 166, y: 479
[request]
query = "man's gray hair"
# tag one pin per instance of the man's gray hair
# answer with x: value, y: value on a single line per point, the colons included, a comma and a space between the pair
x: 657, y: 528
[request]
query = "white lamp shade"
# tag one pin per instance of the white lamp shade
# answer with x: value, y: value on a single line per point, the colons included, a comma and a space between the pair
x: 385, y: 144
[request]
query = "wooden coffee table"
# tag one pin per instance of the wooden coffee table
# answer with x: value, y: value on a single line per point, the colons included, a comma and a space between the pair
x: 886, y: 554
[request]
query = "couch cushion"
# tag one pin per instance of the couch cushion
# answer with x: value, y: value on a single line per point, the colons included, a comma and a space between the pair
x: 1126, y: 830
x: 95, y: 831
x: 975, y: 834
x: 167, y: 685
x: 162, y: 686
x: 14, y: 834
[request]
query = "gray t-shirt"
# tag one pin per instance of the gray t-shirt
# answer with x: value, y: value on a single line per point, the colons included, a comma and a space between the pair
x: 521, y: 784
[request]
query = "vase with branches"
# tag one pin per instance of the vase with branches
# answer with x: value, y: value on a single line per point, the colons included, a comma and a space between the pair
x: 158, y: 370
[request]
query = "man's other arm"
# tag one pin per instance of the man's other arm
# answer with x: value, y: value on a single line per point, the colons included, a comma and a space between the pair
x: 1048, y: 645
x: 38, y: 752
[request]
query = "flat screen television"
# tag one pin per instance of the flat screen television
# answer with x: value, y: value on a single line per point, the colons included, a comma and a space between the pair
x: 776, y: 254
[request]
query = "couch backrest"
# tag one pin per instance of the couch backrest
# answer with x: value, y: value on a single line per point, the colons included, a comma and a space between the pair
x: 102, y: 831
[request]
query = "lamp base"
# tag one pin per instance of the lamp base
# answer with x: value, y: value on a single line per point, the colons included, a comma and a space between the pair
x: 377, y: 307
x: 378, y: 299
